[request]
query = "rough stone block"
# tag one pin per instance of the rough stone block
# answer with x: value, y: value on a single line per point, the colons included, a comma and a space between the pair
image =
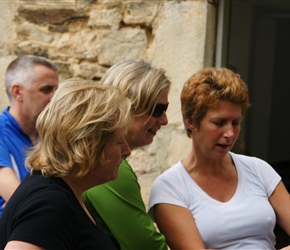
x: 50, y: 16
x: 105, y: 18
x: 179, y: 46
x: 140, y: 12
x: 89, y: 71
x: 32, y: 48
x: 34, y: 32
x: 114, y: 46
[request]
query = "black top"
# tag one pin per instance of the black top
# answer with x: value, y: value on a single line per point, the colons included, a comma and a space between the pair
x: 44, y: 211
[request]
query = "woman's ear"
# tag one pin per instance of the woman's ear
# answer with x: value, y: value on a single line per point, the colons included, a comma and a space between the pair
x: 189, y: 124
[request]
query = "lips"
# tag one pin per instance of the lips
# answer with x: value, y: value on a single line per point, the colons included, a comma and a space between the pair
x: 224, y: 145
x: 154, y: 131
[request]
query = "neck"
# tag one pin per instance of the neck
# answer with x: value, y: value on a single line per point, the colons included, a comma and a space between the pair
x: 75, y: 186
x: 197, y: 162
x: 26, y: 124
x: 78, y: 190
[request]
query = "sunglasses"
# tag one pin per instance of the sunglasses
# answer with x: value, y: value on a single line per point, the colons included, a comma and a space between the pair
x: 159, y: 110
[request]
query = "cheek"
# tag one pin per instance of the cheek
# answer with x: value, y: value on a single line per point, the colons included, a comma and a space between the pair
x: 209, y: 137
x: 45, y: 97
x: 237, y: 130
x: 140, y: 128
x: 147, y: 124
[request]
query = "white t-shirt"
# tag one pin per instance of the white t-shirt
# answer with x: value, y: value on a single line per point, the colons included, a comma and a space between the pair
x: 246, y: 221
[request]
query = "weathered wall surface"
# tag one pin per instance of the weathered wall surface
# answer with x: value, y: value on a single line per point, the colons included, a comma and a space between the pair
x: 86, y: 37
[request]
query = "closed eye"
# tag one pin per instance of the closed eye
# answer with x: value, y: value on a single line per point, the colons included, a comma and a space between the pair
x: 219, y: 123
x: 236, y: 122
x: 122, y: 141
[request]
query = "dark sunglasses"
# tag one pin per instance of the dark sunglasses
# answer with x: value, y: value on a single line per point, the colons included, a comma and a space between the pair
x: 159, y: 110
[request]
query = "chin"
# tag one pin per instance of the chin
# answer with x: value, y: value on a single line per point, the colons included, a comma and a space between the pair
x: 115, y: 176
x: 143, y: 144
x: 221, y: 156
x: 149, y: 141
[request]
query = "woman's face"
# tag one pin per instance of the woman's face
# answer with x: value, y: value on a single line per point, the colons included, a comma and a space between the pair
x: 115, y: 150
x: 218, y: 130
x: 144, y: 128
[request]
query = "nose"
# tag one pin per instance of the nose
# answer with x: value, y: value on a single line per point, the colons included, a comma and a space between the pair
x: 229, y: 131
x: 126, y: 151
x: 163, y: 119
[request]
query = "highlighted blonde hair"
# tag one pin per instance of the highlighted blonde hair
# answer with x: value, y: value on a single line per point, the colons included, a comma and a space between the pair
x: 142, y: 82
x: 75, y: 127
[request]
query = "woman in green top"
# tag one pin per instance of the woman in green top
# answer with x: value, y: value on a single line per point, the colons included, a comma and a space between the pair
x: 117, y: 205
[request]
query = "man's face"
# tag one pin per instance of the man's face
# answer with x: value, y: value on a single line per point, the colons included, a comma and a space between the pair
x: 39, y: 93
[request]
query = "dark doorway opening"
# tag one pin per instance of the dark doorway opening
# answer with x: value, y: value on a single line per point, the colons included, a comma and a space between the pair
x: 259, y: 50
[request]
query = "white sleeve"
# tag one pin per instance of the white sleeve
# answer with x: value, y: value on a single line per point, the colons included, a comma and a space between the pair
x: 267, y: 175
x: 168, y: 188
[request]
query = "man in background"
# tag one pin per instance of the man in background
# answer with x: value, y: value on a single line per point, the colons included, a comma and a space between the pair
x: 30, y: 83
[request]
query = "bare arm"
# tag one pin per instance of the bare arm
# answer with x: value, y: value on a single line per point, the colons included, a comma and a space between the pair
x: 280, y: 201
x: 286, y: 248
x: 15, y: 245
x: 178, y: 226
x: 8, y: 182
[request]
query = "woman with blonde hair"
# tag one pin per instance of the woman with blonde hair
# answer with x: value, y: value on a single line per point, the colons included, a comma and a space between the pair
x: 81, y: 145
x: 118, y: 205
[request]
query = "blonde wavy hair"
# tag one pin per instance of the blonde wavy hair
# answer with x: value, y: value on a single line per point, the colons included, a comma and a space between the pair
x: 142, y: 82
x: 206, y: 88
x: 75, y: 127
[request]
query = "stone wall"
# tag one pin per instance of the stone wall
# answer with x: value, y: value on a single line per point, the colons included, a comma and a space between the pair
x: 86, y: 37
